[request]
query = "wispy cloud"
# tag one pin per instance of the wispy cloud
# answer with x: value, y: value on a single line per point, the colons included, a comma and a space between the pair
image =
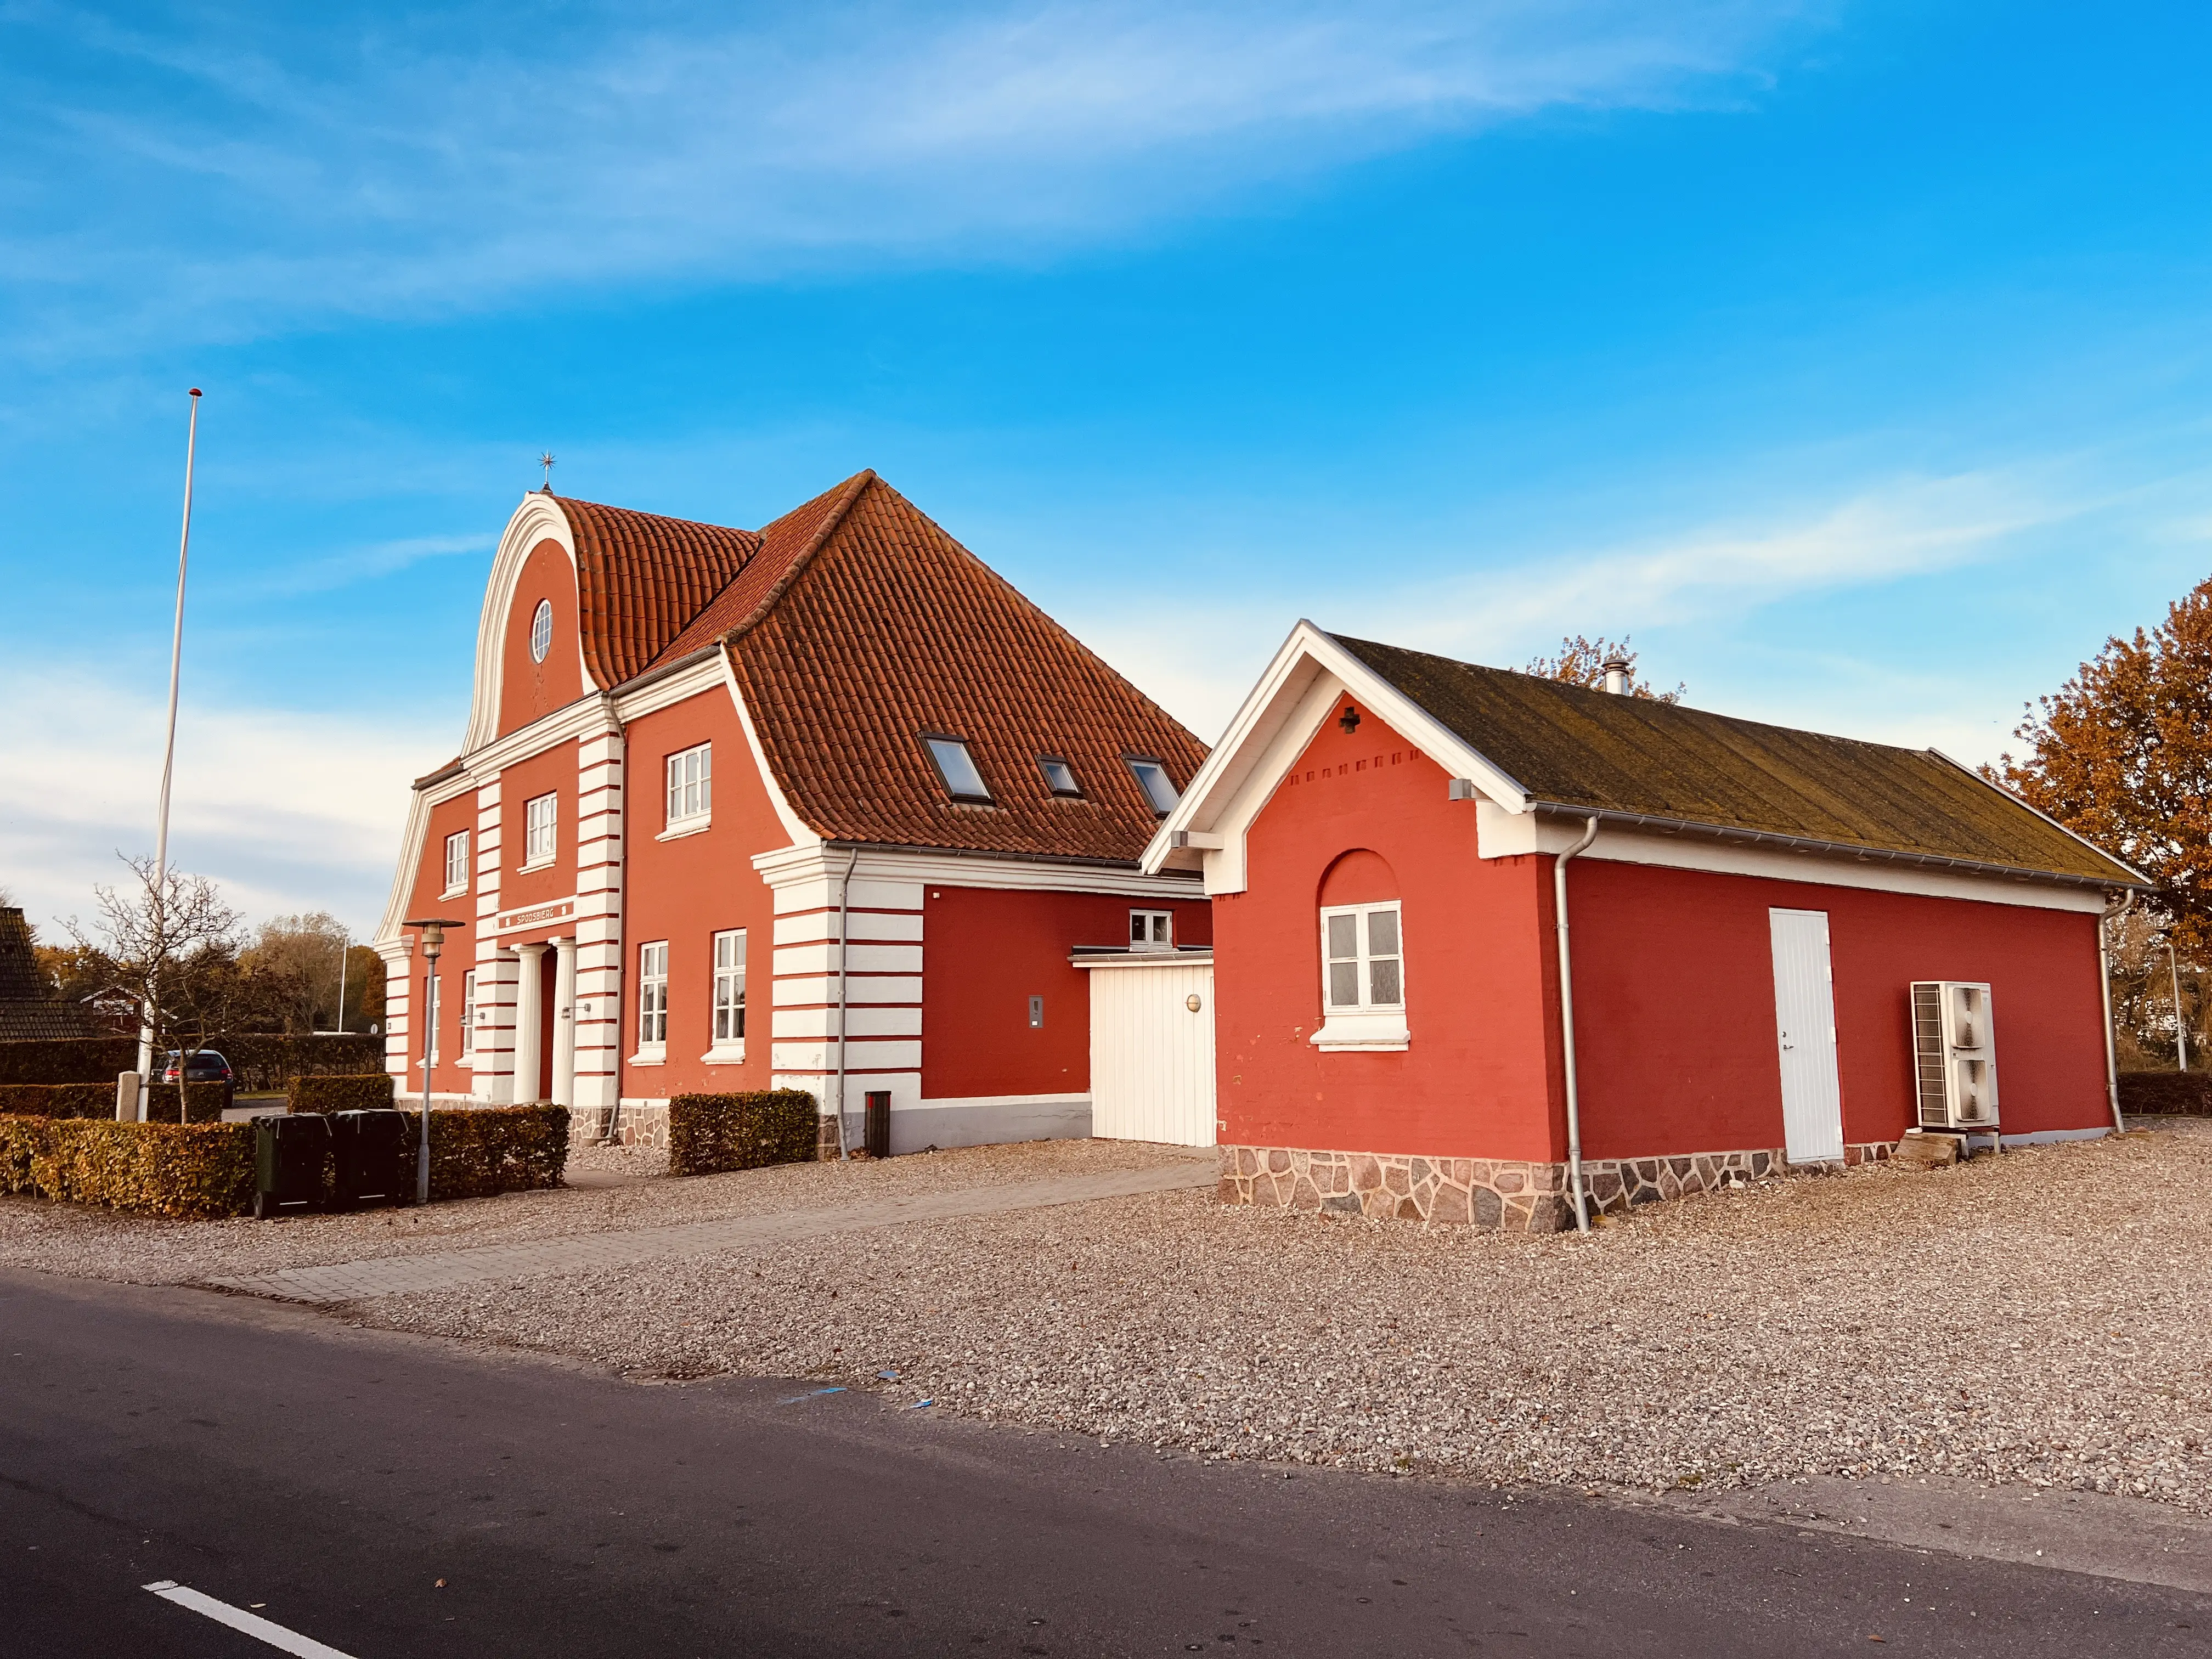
x: 258, y: 171
x: 328, y: 571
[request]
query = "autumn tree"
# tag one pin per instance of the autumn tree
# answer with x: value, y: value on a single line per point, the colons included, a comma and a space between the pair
x: 2121, y: 755
x: 301, y: 959
x: 1579, y: 661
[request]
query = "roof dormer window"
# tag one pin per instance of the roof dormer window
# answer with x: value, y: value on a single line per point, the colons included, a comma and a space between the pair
x: 1058, y: 777
x: 957, y: 768
x: 1152, y: 779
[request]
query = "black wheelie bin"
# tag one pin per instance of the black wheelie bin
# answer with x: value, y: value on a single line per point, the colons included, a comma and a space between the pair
x: 290, y: 1153
x: 375, y: 1157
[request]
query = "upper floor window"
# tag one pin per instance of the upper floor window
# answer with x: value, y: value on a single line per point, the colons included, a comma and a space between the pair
x: 730, y: 987
x: 690, y: 786
x: 539, y: 819
x: 541, y: 630
x: 652, y: 997
x: 1059, y: 776
x: 1151, y: 930
x: 1366, y: 967
x: 457, y: 861
x: 430, y: 1016
x: 957, y: 767
x: 1152, y: 779
x: 468, y: 1013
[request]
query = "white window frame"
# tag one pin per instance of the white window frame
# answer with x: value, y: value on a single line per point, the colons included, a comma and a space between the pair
x: 541, y: 832
x: 727, y: 1007
x: 690, y: 797
x: 456, y: 864
x: 1151, y: 930
x: 652, y: 1004
x: 430, y: 1016
x: 541, y: 630
x: 1366, y: 1023
x: 469, y: 1017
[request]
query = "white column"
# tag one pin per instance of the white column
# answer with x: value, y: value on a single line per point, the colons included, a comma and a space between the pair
x: 528, y: 999
x: 564, y: 1022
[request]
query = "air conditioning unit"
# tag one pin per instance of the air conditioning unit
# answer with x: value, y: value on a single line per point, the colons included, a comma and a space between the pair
x: 1954, y: 1054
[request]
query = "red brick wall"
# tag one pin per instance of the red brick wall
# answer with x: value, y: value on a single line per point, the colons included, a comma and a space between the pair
x: 529, y: 688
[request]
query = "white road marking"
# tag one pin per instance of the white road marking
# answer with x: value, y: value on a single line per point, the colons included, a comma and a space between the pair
x: 238, y: 1619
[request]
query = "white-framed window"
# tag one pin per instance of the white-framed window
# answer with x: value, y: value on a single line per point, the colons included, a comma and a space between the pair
x: 964, y: 780
x: 652, y: 997
x: 468, y: 1013
x: 1151, y: 930
x: 430, y: 1018
x: 690, y: 786
x: 729, y: 988
x: 1152, y: 778
x: 456, y: 862
x: 1059, y: 776
x: 1363, y: 977
x: 541, y: 630
x: 540, y: 820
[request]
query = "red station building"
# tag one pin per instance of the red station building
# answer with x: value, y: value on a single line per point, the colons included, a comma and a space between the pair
x: 1784, y: 947
x: 825, y: 805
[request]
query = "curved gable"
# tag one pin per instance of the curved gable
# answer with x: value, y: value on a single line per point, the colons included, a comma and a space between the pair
x: 530, y: 689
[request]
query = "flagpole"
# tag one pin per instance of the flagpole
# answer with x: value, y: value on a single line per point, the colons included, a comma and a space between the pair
x: 169, y: 744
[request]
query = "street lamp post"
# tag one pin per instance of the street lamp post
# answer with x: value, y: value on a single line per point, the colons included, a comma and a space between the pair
x: 433, y: 942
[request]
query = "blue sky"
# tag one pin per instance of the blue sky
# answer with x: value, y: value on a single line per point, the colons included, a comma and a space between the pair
x: 1853, y: 358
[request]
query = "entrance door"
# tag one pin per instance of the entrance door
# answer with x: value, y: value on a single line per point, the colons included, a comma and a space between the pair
x: 1151, y: 1050
x: 1805, y: 1023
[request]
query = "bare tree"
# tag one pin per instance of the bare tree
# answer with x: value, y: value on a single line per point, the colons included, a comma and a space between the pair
x: 1579, y: 661
x: 174, y: 944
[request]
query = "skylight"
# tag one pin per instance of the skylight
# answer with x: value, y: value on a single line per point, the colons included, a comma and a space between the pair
x: 958, y: 769
x: 1058, y: 777
x: 1152, y: 777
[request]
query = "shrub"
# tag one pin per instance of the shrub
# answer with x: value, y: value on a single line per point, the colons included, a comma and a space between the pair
x: 203, y: 1102
x: 478, y: 1151
x: 709, y: 1133
x: 2163, y: 1093
x: 367, y: 1092
x: 68, y: 1059
x: 58, y: 1099
x: 195, y: 1170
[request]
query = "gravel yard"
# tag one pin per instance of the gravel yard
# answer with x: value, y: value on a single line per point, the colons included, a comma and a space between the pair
x: 91, y: 1243
x: 2036, y: 1318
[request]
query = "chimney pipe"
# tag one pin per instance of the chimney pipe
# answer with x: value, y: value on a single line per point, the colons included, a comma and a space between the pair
x: 1616, y: 676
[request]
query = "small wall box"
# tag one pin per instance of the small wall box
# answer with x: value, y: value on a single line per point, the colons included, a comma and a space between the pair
x: 1954, y: 1054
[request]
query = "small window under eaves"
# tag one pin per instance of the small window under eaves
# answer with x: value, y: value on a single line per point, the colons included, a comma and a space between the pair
x: 957, y: 768
x: 1058, y: 777
x: 1152, y: 778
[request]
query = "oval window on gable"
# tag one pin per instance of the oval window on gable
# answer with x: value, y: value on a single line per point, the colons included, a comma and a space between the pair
x: 541, y: 631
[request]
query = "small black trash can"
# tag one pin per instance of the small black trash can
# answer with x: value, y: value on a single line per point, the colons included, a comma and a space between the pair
x: 876, y: 1131
x: 290, y: 1153
x: 375, y: 1157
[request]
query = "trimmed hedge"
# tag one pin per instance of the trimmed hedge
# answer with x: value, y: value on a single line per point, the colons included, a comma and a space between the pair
x: 2155, y: 1094
x: 478, y: 1151
x: 261, y: 1061
x: 203, y: 1102
x: 371, y: 1092
x: 198, y: 1171
x: 710, y: 1133
x: 58, y: 1100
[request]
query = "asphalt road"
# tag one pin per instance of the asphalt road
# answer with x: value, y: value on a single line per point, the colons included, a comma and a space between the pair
x: 332, y: 1478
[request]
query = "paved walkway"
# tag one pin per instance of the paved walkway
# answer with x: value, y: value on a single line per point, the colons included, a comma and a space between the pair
x: 349, y: 1281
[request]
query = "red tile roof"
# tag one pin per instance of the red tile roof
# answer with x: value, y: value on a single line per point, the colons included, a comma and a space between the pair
x: 863, y: 625
x: 639, y: 578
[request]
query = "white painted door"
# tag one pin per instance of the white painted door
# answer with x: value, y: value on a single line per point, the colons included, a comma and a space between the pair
x: 1151, y: 1052
x: 1805, y: 1024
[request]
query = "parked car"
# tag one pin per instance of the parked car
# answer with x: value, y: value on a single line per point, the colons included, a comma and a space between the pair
x: 206, y: 1066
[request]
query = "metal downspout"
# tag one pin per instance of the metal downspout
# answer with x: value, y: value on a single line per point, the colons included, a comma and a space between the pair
x: 2104, y: 984
x: 844, y: 902
x: 1567, y: 1023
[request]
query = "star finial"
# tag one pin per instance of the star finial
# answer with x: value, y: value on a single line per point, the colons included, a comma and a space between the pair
x: 546, y: 461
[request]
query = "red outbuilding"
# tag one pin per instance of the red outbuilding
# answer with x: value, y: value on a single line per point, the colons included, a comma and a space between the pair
x: 824, y: 805
x: 1784, y: 947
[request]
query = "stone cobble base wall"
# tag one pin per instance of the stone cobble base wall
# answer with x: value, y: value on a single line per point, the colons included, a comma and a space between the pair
x: 1507, y: 1194
x: 641, y: 1127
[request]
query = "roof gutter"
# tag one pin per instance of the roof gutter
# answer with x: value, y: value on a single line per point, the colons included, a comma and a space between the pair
x: 840, y: 844
x: 1648, y: 820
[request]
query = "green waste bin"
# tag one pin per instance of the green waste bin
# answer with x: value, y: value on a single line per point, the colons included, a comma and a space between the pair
x: 375, y: 1157
x: 290, y: 1153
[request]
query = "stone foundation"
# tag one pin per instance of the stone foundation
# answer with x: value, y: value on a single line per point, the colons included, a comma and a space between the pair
x: 1507, y: 1194
x: 635, y: 1125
